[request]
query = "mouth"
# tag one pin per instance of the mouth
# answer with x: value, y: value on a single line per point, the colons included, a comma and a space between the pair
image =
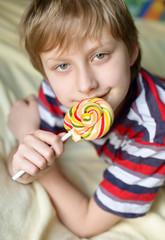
x: 104, y: 96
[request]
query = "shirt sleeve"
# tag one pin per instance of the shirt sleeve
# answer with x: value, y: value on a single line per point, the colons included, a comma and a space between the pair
x: 51, y: 111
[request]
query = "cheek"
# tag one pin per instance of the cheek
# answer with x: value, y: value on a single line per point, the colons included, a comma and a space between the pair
x: 117, y: 72
x: 63, y: 93
x: 117, y: 95
x: 119, y: 87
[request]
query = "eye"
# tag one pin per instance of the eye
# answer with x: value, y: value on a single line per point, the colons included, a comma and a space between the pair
x: 63, y: 67
x: 100, y: 56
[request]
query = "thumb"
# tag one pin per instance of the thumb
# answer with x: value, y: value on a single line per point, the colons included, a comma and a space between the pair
x: 63, y: 134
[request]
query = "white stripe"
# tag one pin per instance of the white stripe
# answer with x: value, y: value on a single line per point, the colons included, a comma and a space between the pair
x: 130, y: 179
x: 161, y: 93
x: 128, y: 146
x: 132, y: 115
x: 49, y: 118
x: 122, y: 207
x: 145, y: 118
x: 47, y: 90
x: 101, y: 141
x: 63, y: 109
x: 46, y: 116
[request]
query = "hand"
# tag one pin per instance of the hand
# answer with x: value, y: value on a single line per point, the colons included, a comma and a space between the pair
x: 24, y: 117
x: 35, y: 156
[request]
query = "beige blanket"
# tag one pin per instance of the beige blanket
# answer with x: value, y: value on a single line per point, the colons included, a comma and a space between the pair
x: 25, y: 211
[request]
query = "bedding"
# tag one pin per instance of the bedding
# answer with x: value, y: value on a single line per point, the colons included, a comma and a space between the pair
x: 26, y: 211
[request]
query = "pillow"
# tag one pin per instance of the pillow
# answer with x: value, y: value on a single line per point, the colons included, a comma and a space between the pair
x: 152, y: 35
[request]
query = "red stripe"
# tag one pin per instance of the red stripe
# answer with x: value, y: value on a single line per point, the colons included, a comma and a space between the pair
x: 42, y: 97
x: 137, y: 137
x: 102, y: 125
x: 68, y: 125
x: 84, y: 132
x: 122, y: 130
x: 125, y: 195
x: 155, y: 93
x: 49, y: 106
x: 135, y: 167
x: 141, y: 168
x: 109, y: 154
x: 75, y: 113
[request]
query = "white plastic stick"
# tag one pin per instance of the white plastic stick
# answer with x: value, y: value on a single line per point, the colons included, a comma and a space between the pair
x: 21, y: 172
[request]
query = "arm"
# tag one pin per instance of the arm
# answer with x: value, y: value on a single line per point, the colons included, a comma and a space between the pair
x: 23, y: 119
x: 80, y: 214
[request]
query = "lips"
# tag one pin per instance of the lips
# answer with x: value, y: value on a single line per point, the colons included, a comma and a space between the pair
x: 103, y: 96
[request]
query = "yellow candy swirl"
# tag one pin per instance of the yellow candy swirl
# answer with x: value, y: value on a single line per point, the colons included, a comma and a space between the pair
x: 89, y: 119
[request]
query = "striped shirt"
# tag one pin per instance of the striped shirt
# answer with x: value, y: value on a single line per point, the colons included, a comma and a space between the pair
x: 134, y: 147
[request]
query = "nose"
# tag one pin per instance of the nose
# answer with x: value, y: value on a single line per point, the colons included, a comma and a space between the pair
x: 87, y: 81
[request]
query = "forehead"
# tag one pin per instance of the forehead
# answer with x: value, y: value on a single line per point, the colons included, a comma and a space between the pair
x: 75, y: 29
x: 105, y: 38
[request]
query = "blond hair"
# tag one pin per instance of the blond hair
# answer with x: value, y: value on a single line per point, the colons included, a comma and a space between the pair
x: 59, y: 23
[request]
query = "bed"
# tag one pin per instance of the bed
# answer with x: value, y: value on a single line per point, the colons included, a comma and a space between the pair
x: 26, y: 211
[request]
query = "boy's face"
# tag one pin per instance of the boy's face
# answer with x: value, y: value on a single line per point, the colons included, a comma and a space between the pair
x: 95, y: 69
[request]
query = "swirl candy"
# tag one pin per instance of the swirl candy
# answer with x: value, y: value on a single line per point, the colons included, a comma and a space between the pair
x: 89, y: 119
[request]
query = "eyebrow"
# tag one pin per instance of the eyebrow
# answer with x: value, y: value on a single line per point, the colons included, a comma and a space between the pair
x: 109, y: 42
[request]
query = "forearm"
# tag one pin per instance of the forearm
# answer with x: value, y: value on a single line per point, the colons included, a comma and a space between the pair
x: 70, y: 204
x: 80, y: 214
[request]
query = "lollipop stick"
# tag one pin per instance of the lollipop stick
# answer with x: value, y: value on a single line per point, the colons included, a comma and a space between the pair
x: 21, y: 172
x: 18, y: 174
x: 66, y: 136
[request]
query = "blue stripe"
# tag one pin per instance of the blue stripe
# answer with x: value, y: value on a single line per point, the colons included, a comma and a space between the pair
x: 154, y: 109
x: 148, y: 161
x: 152, y: 103
x: 52, y: 101
x: 44, y: 125
x: 55, y: 115
x: 126, y: 187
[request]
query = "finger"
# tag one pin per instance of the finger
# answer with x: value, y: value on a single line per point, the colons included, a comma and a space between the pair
x: 30, y: 98
x: 18, y: 103
x: 62, y: 135
x: 52, y: 140
x: 33, y: 156
x: 38, y: 151
x: 21, y: 163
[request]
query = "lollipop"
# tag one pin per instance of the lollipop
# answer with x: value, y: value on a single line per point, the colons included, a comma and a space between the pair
x: 89, y: 119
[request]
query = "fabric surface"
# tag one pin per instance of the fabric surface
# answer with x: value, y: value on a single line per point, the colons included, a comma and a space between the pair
x: 26, y: 211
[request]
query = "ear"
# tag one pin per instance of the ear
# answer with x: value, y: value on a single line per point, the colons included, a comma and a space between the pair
x: 134, y: 55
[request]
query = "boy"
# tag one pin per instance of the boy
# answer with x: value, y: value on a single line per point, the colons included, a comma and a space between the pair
x: 86, y: 49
